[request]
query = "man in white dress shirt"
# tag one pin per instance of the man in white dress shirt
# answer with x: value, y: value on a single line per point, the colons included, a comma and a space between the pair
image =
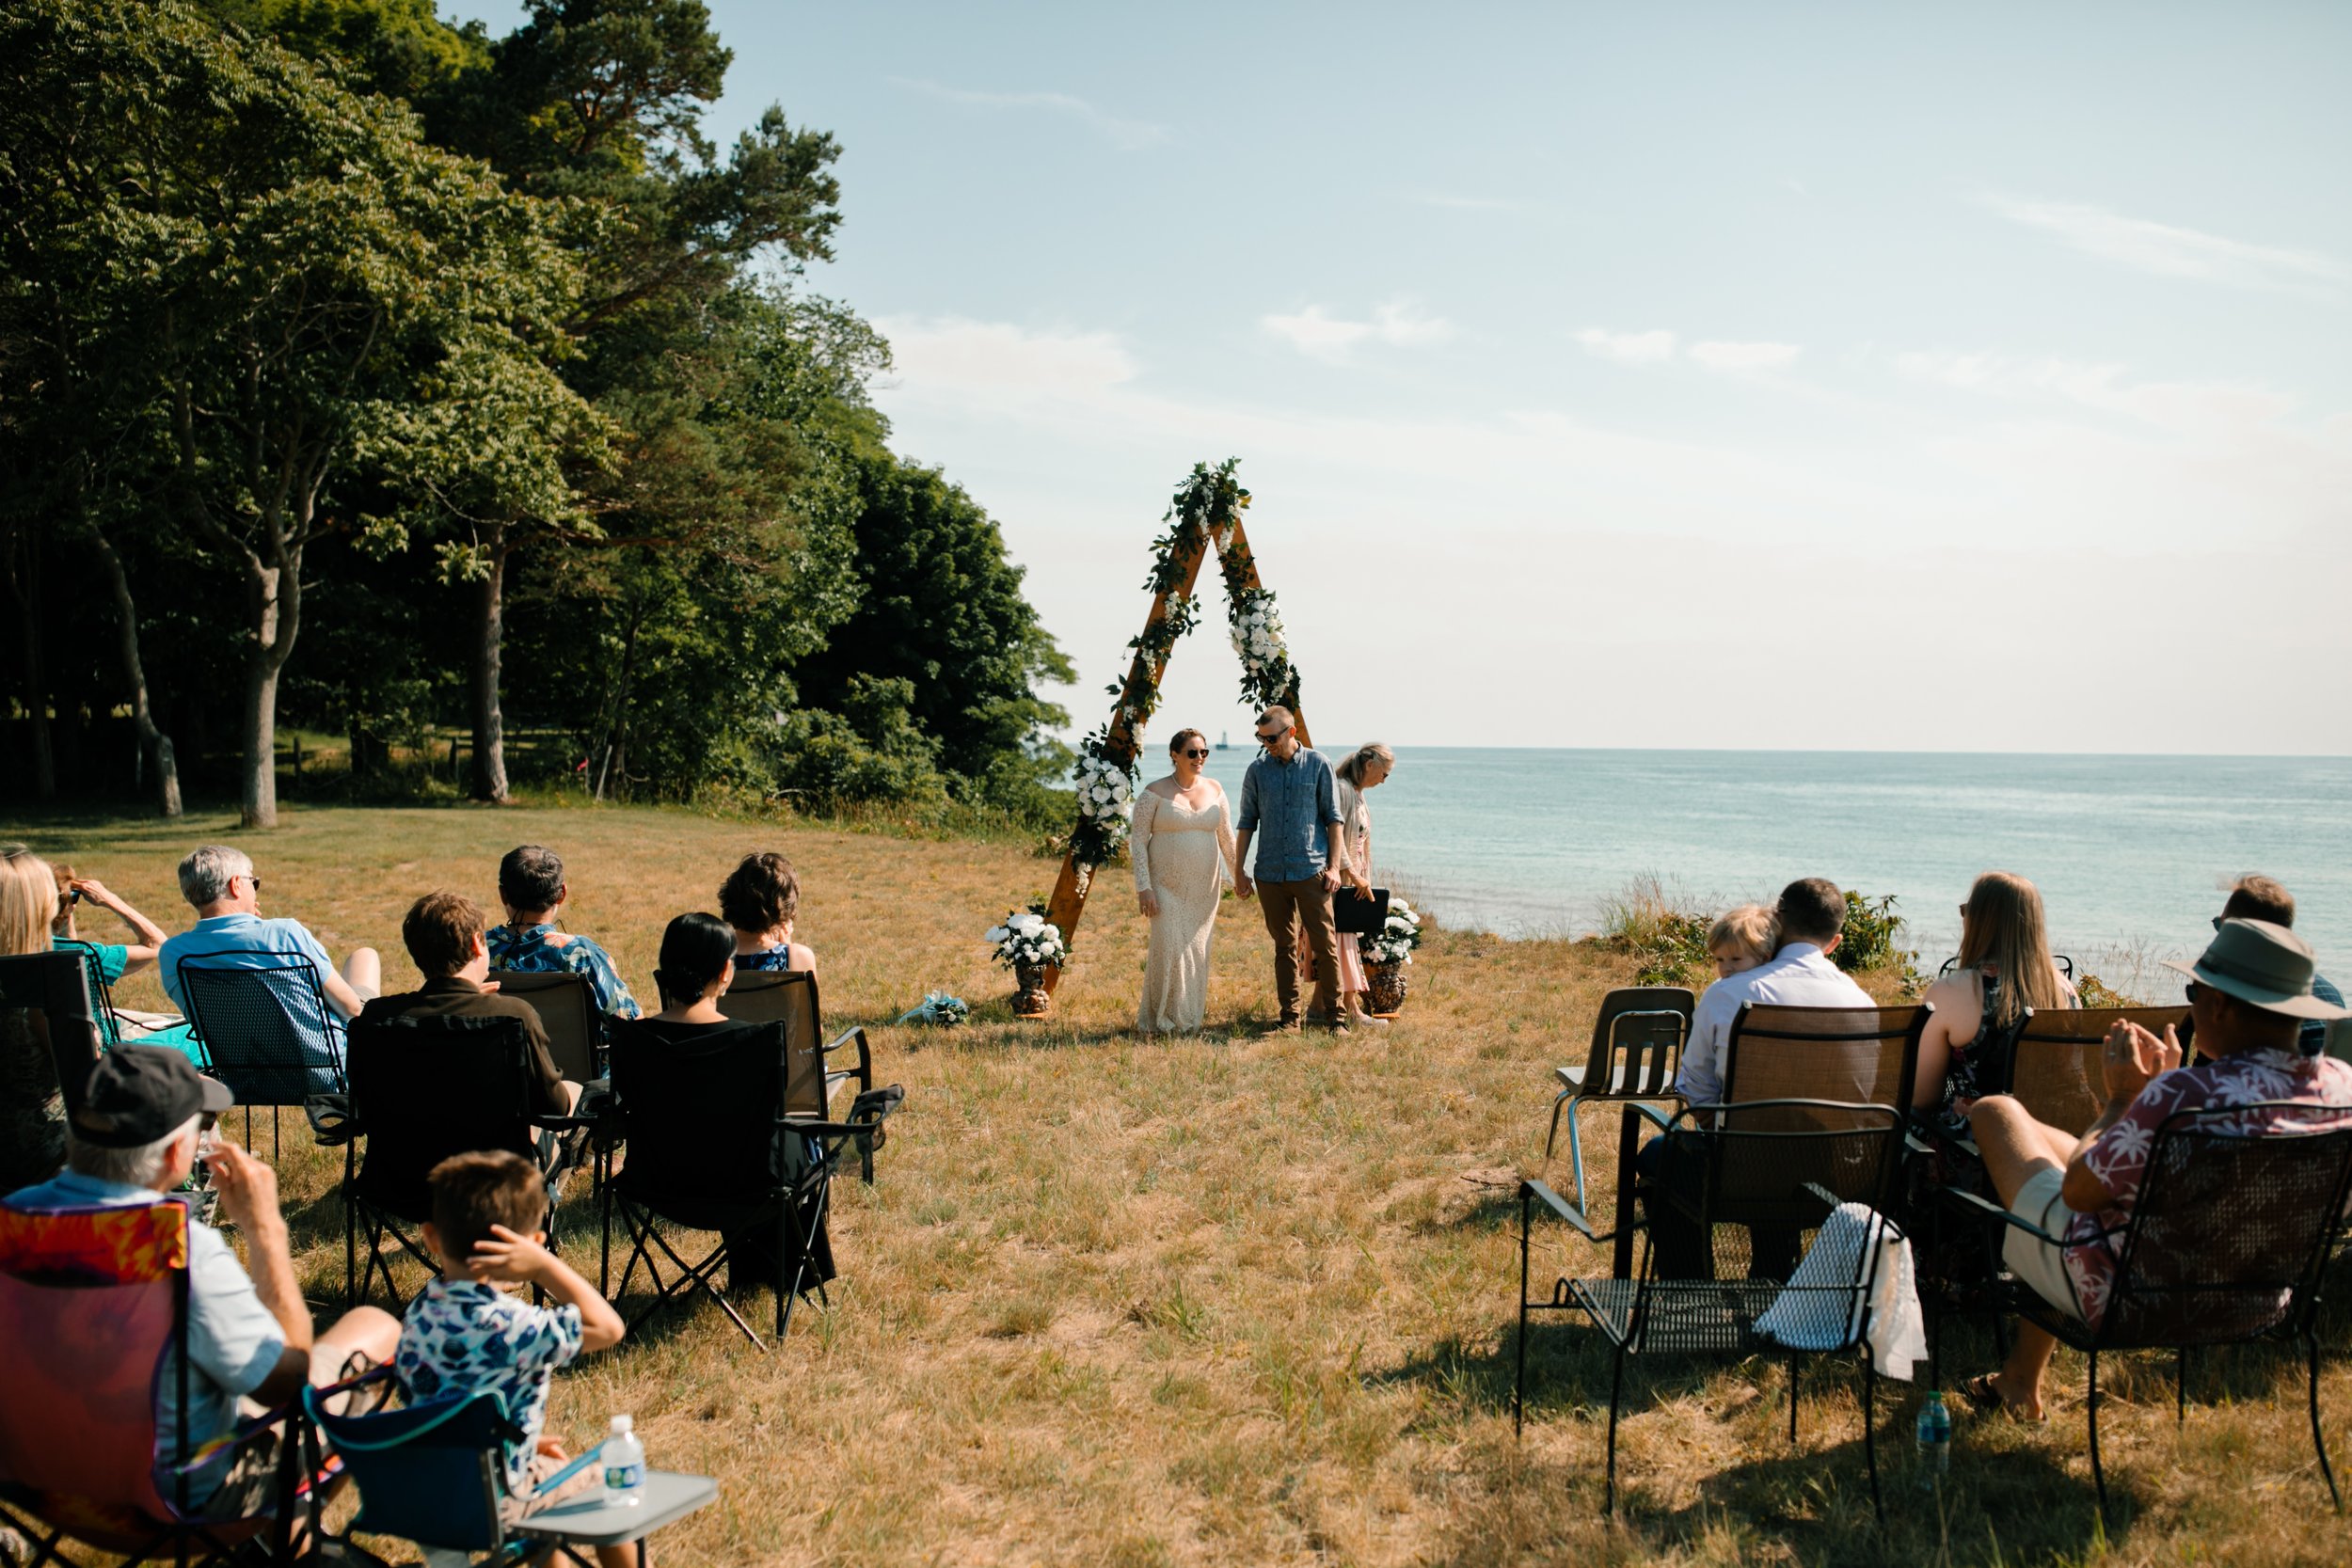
x: 1812, y: 915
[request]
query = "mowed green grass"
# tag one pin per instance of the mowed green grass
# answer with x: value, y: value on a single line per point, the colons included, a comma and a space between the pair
x: 1230, y: 1300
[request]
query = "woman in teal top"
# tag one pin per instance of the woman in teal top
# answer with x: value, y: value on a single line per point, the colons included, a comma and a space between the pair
x: 113, y: 960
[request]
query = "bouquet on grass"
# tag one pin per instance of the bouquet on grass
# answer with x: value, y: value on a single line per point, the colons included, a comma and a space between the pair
x: 1028, y: 940
x: 939, y: 1009
x: 1395, y: 942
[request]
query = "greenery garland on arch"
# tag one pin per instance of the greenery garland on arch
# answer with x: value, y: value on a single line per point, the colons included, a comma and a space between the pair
x: 1205, y: 512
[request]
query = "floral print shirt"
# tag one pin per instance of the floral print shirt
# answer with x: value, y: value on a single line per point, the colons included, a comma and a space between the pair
x: 545, y: 950
x: 2119, y: 1157
x: 462, y: 1336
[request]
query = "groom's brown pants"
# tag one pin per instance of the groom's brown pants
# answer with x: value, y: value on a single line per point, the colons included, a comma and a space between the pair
x: 1288, y: 905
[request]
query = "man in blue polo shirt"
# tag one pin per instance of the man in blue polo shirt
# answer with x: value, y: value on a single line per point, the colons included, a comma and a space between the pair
x: 230, y: 933
x: 1290, y: 795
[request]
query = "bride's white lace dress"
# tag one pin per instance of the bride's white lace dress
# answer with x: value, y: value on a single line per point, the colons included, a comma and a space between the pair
x: 1185, y: 856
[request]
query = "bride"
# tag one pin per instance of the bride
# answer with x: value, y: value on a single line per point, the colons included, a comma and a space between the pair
x: 1182, y: 849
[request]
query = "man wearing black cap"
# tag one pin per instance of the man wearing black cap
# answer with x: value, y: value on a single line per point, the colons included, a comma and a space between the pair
x: 2249, y: 994
x: 133, y: 1138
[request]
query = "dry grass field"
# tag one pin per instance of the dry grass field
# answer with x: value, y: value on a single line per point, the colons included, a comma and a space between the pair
x: 1227, y: 1300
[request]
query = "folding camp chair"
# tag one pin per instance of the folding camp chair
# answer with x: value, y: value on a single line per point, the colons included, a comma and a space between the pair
x: 102, y: 994
x: 567, y: 1005
x: 760, y: 995
x: 431, y: 1473
x: 266, y: 1027
x: 53, y: 989
x: 1775, y: 1166
x: 1636, y: 1052
x: 728, y: 1133
x: 424, y: 1089
x: 93, y: 1320
x: 2224, y: 1246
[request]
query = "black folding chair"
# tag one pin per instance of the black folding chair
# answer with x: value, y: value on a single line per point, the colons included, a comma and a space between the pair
x: 1636, y: 1051
x: 728, y: 1133
x: 1777, y: 1167
x: 424, y: 1089
x: 266, y: 1027
x: 2224, y: 1246
x: 567, y: 1005
x: 789, y: 997
x: 53, y: 989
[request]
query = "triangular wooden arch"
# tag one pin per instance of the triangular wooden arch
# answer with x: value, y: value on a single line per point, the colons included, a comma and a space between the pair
x: 1206, y: 513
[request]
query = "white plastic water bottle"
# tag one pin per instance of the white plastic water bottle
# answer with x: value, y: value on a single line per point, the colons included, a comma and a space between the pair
x: 623, y: 1464
x: 1933, y: 1434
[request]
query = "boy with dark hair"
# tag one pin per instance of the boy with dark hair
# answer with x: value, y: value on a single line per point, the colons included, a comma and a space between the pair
x: 531, y: 885
x: 463, y: 1333
x: 2254, y: 897
x: 444, y: 936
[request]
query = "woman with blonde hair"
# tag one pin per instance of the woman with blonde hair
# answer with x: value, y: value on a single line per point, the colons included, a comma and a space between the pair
x: 32, y: 1110
x: 2005, y: 967
x: 1364, y: 768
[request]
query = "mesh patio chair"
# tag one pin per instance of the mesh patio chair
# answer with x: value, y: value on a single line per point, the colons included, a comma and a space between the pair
x: 729, y: 1134
x: 2065, y: 965
x: 2225, y: 1245
x: 1636, y: 1051
x: 431, y: 1473
x: 567, y: 1005
x: 1775, y: 1166
x: 765, y: 995
x: 424, y: 1089
x: 102, y: 994
x: 93, y: 1320
x: 2055, y: 1071
x: 266, y: 1027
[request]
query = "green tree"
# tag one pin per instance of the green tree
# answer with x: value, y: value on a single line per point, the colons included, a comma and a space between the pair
x: 942, y: 609
x: 318, y: 306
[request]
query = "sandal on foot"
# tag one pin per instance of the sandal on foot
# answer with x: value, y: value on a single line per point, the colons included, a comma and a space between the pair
x: 1985, y: 1400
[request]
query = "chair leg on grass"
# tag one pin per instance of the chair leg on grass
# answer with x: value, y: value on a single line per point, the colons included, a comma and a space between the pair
x: 2098, y: 1476
x: 1792, y: 1401
x: 1617, y: 1389
x: 1869, y: 1431
x: 1576, y: 1151
x: 1557, y: 1101
x: 1519, y: 1378
x: 2319, y: 1436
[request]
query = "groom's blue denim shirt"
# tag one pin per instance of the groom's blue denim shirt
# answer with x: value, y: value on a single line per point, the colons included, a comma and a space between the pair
x: 1295, y: 802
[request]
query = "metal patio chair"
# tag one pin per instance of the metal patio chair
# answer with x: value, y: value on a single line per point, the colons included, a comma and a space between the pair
x: 1636, y: 1051
x: 2225, y: 1245
x: 266, y: 1028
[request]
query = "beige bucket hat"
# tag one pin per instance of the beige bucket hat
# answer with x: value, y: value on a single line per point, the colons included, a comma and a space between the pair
x: 2261, y: 963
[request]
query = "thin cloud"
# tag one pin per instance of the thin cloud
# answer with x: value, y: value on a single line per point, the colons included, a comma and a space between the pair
x: 2165, y: 250
x: 1742, y: 358
x: 1627, y: 348
x: 1002, y: 359
x: 1128, y: 136
x: 1320, y: 335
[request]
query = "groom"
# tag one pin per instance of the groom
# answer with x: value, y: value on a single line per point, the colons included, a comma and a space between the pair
x: 1290, y: 790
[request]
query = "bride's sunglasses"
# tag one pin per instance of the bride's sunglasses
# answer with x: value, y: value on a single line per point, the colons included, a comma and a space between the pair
x: 1196, y: 751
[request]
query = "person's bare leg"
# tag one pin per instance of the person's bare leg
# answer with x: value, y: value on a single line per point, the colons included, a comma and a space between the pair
x: 629, y: 1554
x: 370, y: 1331
x: 364, y: 971
x: 2015, y: 1147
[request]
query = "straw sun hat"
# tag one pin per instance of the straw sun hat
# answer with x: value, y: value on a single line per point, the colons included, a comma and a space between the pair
x: 2266, y: 965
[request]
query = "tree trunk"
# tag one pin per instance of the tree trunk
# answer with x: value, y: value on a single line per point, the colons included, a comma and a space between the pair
x: 616, y: 746
x: 25, y: 593
x: 155, y: 750
x: 260, y: 806
x: 490, y: 724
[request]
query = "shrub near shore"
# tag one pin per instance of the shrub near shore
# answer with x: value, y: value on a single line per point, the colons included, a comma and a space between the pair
x: 1231, y: 1300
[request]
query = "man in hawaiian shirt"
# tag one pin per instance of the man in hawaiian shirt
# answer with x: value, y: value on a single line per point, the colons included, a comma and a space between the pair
x: 2249, y: 994
x: 531, y: 885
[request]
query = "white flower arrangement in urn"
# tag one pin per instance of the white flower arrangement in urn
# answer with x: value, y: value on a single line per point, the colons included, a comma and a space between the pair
x: 1386, y: 953
x: 1030, y: 944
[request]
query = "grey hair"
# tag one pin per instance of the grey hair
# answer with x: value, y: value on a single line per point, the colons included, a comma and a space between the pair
x: 130, y: 1167
x: 205, y: 875
x: 1363, y: 757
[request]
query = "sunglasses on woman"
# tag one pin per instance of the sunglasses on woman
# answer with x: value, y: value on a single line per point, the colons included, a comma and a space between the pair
x: 1196, y: 751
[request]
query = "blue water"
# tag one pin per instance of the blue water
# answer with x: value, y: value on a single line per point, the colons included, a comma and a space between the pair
x: 2131, y: 852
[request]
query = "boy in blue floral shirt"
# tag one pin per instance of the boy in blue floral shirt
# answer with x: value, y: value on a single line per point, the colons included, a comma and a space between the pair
x: 531, y: 885
x: 463, y: 1333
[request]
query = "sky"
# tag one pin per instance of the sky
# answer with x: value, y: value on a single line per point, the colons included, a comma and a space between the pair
x: 1721, y: 377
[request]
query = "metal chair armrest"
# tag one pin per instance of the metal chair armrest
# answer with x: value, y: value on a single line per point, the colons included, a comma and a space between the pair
x: 1530, y: 1187
x: 1998, y: 1213
x: 1655, y: 1117
x: 865, y: 1069
x: 332, y: 1121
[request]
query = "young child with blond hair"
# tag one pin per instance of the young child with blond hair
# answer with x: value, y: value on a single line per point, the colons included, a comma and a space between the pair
x: 1742, y: 939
